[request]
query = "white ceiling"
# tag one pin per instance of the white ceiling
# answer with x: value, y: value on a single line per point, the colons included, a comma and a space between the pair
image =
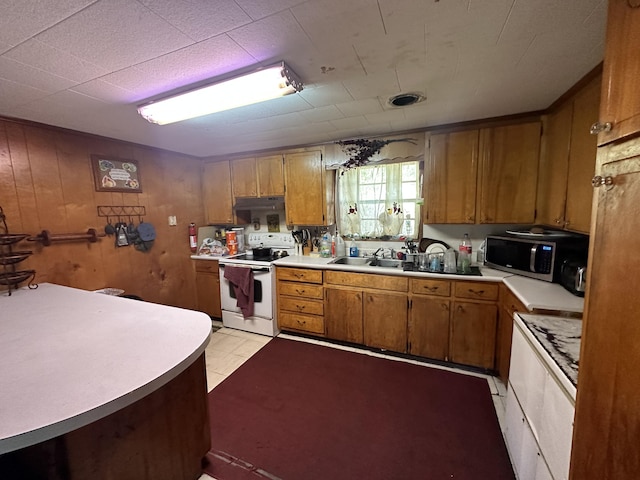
x: 87, y: 64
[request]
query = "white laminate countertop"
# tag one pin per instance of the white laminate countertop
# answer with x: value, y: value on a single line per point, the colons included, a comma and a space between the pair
x: 539, y: 295
x: 304, y: 261
x: 71, y: 357
x: 557, y: 341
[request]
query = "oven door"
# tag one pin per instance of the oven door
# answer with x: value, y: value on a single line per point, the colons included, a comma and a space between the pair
x: 262, y: 291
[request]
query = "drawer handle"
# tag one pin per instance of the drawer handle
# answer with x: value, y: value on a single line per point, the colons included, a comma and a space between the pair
x: 298, y: 275
x: 299, y: 291
x: 301, y: 322
x: 431, y: 289
x: 300, y: 307
x: 476, y: 292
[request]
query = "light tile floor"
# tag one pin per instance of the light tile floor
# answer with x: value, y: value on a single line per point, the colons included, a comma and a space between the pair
x: 230, y: 348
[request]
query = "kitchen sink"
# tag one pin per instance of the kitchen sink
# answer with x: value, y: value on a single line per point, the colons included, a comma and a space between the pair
x: 352, y: 261
x: 386, y: 262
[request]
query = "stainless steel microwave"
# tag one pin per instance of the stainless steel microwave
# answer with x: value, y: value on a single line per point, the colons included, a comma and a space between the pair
x: 539, y: 257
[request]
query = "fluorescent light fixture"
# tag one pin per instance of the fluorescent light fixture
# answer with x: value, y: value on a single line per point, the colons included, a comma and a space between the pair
x: 263, y: 84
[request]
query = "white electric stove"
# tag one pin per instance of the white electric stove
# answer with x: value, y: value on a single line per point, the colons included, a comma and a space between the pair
x: 263, y: 321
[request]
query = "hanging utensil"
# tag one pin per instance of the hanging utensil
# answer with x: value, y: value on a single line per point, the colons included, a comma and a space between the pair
x: 109, y: 229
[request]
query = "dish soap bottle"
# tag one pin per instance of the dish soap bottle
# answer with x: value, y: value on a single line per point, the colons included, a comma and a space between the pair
x: 464, y: 255
x: 353, y: 248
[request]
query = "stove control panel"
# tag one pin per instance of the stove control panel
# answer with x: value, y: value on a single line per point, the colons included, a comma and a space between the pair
x: 271, y: 240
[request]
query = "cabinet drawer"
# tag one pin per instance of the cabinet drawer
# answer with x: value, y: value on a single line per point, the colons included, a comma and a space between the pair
x: 210, y: 266
x: 304, y: 323
x: 477, y: 290
x: 299, y: 305
x: 296, y: 289
x: 365, y: 280
x: 431, y: 287
x: 299, y: 274
x: 510, y: 303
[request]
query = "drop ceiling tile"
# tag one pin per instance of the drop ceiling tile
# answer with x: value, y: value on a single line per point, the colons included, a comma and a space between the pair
x: 54, y: 61
x: 105, y: 92
x: 20, y: 73
x: 115, y: 34
x: 322, y: 114
x: 273, y: 38
x: 377, y: 84
x: 259, y: 8
x: 340, y: 22
x: 391, y: 52
x: 200, y: 20
x: 190, y: 65
x: 360, y: 107
x: 22, y: 19
x: 349, y: 122
x: 13, y: 94
x: 323, y: 95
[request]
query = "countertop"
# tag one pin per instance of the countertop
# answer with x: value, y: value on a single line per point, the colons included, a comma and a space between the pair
x: 71, y: 357
x: 303, y: 261
x: 557, y: 338
x: 539, y: 295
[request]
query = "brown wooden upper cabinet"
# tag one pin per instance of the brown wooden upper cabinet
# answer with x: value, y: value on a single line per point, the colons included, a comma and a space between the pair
x: 450, y: 177
x: 508, y: 175
x: 309, y: 194
x: 483, y: 176
x: 567, y: 162
x: 216, y: 193
x: 620, y: 105
x: 258, y: 177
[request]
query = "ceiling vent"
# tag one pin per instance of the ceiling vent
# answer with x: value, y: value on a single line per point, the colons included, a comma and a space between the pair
x: 405, y: 99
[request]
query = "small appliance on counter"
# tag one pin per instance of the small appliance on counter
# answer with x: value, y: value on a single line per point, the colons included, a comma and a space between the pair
x: 537, y: 253
x: 573, y: 276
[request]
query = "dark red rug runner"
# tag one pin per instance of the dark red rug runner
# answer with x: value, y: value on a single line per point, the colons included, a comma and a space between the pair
x: 298, y: 411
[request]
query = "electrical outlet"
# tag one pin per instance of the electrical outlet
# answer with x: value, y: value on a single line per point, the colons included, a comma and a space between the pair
x: 172, y: 221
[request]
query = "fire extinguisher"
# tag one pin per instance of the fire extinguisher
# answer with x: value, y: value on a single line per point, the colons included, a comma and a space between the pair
x: 193, y: 237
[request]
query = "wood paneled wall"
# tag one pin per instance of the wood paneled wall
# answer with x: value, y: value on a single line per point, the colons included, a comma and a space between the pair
x: 46, y: 183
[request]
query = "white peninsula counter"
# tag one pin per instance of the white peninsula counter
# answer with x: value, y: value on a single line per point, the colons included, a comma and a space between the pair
x: 73, y: 362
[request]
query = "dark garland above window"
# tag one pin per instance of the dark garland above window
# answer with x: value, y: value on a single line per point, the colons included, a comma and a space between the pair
x: 361, y: 150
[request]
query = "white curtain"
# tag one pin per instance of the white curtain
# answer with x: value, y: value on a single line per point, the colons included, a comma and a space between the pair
x: 370, y: 202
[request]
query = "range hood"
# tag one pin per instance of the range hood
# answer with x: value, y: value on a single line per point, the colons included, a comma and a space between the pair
x: 262, y: 203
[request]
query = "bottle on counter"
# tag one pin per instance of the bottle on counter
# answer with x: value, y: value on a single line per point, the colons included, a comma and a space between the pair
x: 353, y: 249
x: 464, y: 254
x: 333, y: 246
x: 325, y: 245
x: 340, y: 246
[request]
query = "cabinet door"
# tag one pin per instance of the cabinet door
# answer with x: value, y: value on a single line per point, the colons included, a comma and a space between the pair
x: 429, y: 327
x: 451, y: 178
x: 582, y: 159
x: 554, y: 167
x: 607, y: 410
x: 620, y: 93
x: 473, y: 334
x: 208, y: 294
x: 343, y: 315
x: 244, y: 177
x: 509, y: 173
x: 385, y: 321
x: 216, y: 193
x: 305, y: 195
x: 270, y: 176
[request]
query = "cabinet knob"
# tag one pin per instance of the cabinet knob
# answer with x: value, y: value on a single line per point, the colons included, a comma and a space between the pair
x: 598, y: 127
x: 599, y: 181
x: 558, y: 221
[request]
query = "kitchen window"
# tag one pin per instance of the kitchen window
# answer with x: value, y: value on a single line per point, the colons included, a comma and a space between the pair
x: 379, y: 201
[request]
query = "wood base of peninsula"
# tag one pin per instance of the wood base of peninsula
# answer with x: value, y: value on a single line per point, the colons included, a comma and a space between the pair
x: 165, y: 435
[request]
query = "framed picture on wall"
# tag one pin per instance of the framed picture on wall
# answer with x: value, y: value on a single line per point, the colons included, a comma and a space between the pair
x: 112, y: 174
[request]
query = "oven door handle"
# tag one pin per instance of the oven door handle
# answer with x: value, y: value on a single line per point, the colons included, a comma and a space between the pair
x: 253, y: 269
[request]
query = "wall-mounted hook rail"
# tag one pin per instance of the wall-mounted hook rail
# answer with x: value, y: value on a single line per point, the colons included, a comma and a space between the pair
x: 48, y: 238
x: 122, y: 210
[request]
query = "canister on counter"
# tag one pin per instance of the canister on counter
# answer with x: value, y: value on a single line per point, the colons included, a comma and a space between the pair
x: 232, y: 243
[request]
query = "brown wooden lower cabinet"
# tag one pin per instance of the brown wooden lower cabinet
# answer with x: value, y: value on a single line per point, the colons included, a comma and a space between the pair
x: 508, y: 305
x: 385, y: 321
x: 445, y: 320
x: 428, y: 331
x: 473, y: 334
x: 208, y: 287
x: 300, y: 300
x: 343, y: 314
